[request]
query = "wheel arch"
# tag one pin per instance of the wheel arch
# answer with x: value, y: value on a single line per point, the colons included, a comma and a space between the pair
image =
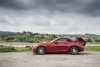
x: 41, y: 46
x: 74, y: 46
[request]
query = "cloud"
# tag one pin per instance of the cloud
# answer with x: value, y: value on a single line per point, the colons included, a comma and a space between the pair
x: 88, y: 7
x: 50, y: 16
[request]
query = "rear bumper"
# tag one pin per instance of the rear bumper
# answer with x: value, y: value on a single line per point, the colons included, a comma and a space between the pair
x: 81, y: 49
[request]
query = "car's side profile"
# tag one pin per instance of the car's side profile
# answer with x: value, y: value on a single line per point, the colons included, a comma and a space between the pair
x: 60, y: 45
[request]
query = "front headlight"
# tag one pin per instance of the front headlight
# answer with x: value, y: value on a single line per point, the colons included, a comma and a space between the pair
x: 34, y: 45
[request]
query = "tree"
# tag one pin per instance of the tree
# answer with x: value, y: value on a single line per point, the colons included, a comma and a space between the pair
x: 9, y: 38
x: 89, y: 40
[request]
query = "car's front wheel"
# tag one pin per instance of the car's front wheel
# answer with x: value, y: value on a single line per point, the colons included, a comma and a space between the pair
x: 41, y: 50
x: 74, y: 50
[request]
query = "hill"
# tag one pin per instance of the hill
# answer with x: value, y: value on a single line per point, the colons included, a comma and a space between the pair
x: 6, y: 33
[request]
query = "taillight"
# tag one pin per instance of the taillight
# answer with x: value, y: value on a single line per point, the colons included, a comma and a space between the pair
x: 81, y: 44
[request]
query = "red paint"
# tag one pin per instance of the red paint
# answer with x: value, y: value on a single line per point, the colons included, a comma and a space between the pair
x: 62, y: 46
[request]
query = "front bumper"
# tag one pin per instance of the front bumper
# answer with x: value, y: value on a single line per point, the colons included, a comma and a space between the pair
x: 34, y: 48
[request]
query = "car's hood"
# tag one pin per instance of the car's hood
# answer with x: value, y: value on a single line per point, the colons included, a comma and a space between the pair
x: 44, y: 43
x: 39, y: 44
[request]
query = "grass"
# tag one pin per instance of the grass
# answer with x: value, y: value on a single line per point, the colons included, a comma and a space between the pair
x: 29, y: 49
x: 92, y: 48
x: 23, y: 49
x: 93, y: 42
x: 15, y: 49
x: 87, y: 48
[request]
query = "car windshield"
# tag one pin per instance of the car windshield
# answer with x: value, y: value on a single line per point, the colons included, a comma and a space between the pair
x: 53, y: 40
x: 62, y: 40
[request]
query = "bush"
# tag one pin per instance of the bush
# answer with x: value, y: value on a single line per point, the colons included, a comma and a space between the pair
x: 1, y: 46
x: 28, y: 47
x: 15, y: 49
x: 7, y: 49
x: 89, y: 40
x: 9, y: 38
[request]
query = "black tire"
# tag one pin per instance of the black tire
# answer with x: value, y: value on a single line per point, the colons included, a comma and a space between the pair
x: 41, y: 51
x: 74, y: 50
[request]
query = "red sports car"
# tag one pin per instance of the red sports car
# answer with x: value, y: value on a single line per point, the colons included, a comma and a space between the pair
x: 60, y: 45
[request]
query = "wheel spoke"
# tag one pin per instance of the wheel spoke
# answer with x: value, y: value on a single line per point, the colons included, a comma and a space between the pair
x: 41, y: 50
x: 74, y: 50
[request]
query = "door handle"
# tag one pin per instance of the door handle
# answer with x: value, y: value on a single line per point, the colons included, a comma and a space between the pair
x: 48, y: 45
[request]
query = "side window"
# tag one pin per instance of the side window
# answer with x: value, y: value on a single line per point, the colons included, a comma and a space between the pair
x: 62, y: 40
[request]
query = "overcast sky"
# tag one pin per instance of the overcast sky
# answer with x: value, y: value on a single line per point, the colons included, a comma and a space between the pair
x: 50, y: 16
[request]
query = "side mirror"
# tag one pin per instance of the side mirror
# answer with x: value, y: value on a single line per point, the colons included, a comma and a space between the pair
x: 55, y: 42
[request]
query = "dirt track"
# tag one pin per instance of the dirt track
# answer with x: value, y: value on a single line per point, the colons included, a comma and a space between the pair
x: 27, y: 59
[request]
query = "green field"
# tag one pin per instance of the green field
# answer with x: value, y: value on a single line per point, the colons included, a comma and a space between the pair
x: 87, y: 48
x: 23, y: 49
x: 15, y: 49
x: 29, y: 49
x: 92, y: 48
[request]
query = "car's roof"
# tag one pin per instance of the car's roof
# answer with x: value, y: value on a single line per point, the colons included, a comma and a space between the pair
x: 62, y: 37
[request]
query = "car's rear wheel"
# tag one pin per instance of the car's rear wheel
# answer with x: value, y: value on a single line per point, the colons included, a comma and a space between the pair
x: 74, y: 50
x: 41, y: 50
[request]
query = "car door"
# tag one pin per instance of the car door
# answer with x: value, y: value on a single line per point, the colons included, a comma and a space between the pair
x: 62, y: 44
x: 59, y: 45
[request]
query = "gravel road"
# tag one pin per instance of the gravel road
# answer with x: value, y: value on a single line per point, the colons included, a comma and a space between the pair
x: 27, y: 59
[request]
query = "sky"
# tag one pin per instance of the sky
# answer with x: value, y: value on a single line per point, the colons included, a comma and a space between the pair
x: 50, y: 16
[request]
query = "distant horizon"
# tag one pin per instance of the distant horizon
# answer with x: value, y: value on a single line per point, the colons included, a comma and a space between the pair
x: 51, y: 33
